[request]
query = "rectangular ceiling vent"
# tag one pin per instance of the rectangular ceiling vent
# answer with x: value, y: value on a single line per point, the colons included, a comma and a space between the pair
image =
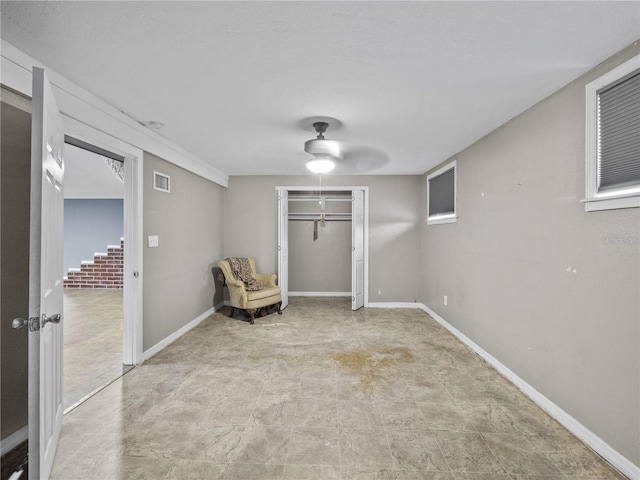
x: 161, y: 182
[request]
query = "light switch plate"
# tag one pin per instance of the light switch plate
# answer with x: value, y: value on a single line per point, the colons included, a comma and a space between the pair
x: 152, y: 241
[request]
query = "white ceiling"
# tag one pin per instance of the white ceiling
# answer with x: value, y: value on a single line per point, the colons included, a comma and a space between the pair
x: 413, y: 83
x: 87, y: 175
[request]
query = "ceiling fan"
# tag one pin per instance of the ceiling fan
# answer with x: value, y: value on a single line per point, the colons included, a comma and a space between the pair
x: 327, y: 154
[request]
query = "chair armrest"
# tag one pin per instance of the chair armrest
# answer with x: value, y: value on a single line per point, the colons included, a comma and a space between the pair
x: 234, y: 282
x: 267, y: 279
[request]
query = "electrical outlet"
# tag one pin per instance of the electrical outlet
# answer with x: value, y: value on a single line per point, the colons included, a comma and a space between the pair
x: 445, y: 300
x: 152, y: 241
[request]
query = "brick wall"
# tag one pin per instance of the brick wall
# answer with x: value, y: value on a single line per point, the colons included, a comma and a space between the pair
x: 105, y: 271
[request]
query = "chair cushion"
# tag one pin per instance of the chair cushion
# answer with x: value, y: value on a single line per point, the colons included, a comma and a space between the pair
x: 264, y: 293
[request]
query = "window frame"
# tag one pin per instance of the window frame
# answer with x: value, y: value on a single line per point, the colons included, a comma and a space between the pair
x: 448, y: 217
x: 624, y: 197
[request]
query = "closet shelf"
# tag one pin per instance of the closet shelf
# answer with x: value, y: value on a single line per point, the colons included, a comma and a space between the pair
x: 317, y: 216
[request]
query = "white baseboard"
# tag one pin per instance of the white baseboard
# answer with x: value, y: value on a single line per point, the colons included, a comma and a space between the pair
x: 178, y: 333
x: 319, y: 294
x: 618, y: 461
x: 15, y: 439
x: 395, y: 305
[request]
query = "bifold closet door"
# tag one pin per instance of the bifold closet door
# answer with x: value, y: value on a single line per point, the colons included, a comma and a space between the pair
x: 283, y: 244
x: 357, y: 252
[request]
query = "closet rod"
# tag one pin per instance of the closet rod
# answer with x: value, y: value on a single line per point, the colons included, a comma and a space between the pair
x: 317, y: 199
x: 319, y: 219
x: 318, y: 216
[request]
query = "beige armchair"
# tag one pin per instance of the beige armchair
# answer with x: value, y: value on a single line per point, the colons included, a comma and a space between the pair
x: 251, y: 301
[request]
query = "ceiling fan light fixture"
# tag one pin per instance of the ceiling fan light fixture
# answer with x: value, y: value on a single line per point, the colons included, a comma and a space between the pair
x: 321, y: 164
x: 322, y: 146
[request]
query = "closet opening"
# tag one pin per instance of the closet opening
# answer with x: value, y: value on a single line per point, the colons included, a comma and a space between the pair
x: 322, y: 242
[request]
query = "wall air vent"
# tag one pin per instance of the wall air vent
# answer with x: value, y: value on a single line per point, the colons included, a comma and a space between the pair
x: 161, y: 182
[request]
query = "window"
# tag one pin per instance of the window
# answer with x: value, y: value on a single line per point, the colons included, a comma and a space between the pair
x: 613, y: 139
x: 441, y: 195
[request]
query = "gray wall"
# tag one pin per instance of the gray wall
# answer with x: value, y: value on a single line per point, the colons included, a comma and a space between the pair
x: 89, y: 226
x: 548, y: 289
x: 323, y: 265
x: 15, y: 161
x: 178, y: 283
x: 394, y: 227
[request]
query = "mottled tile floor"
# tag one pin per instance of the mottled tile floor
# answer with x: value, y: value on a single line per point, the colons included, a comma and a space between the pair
x: 319, y: 392
x: 92, y: 340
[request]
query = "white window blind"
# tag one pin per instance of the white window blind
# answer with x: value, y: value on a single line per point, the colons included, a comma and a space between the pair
x: 619, y: 134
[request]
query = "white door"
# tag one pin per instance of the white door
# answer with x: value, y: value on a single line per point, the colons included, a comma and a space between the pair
x: 357, y: 254
x: 283, y: 244
x: 45, y: 278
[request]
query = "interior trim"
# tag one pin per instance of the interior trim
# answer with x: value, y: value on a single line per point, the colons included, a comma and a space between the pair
x: 618, y: 461
x: 162, y: 344
x: 92, y: 148
x: 79, y: 104
x: 334, y: 188
x: 396, y: 305
x: 15, y: 99
x: 319, y: 294
x: 133, y: 199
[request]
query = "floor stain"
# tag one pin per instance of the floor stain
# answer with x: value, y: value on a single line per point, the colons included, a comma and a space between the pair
x: 368, y: 364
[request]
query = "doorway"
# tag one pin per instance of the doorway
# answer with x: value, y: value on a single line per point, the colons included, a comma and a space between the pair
x: 94, y: 253
x: 87, y: 137
x: 18, y: 222
x: 130, y: 163
x: 323, y: 242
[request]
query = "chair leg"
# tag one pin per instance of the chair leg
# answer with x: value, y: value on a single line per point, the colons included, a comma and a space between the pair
x: 233, y: 311
x: 279, y: 309
x: 252, y: 314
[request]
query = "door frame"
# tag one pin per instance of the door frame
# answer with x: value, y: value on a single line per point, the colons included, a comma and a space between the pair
x: 332, y: 188
x: 132, y: 285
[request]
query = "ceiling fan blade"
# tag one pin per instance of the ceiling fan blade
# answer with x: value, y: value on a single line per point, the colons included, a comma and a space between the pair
x: 361, y: 160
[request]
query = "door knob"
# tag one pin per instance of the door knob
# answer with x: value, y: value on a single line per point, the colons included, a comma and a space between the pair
x: 19, y: 323
x: 53, y: 319
x: 33, y: 323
